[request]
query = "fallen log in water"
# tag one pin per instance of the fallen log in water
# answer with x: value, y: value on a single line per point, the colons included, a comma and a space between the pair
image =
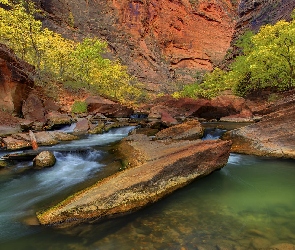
x: 29, y: 155
x: 33, y: 140
x: 23, y: 156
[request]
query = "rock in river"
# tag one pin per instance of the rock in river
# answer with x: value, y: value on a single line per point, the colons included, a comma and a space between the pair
x: 44, y: 159
x: 185, y: 131
x: 163, y: 168
x: 273, y: 136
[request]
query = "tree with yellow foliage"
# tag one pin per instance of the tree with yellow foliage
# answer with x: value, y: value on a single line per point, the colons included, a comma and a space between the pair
x: 60, y: 59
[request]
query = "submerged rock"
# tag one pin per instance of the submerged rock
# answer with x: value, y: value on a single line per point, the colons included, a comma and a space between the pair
x: 283, y: 246
x: 44, y: 159
x: 3, y: 164
x: 163, y: 167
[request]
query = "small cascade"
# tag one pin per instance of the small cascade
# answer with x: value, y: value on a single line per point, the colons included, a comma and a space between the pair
x: 139, y: 116
x: 79, y: 164
x: 213, y: 133
x: 68, y: 128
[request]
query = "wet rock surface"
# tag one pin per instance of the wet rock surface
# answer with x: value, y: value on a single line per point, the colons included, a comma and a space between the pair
x: 163, y: 168
x: 44, y: 160
x: 82, y: 126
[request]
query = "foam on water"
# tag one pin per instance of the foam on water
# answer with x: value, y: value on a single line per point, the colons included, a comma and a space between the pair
x: 19, y: 194
x: 213, y: 133
x: 68, y: 128
x: 70, y: 169
x: 98, y: 139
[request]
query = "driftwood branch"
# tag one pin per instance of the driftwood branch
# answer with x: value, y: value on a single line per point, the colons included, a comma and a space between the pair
x: 33, y: 140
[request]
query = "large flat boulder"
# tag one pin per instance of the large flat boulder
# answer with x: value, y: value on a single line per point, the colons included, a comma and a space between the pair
x: 11, y: 143
x: 8, y: 130
x: 163, y: 167
x: 273, y: 136
x: 189, y: 130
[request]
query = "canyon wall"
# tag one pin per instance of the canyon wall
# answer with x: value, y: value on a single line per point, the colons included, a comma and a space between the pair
x: 164, y: 41
x: 255, y: 13
x: 15, y: 84
x: 159, y: 40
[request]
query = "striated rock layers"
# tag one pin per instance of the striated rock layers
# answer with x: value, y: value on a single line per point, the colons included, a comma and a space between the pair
x: 162, y: 167
x: 15, y: 84
x: 159, y: 40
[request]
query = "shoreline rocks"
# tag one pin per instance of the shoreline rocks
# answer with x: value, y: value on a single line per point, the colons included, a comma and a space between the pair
x: 23, y: 141
x: 163, y: 167
x: 273, y: 136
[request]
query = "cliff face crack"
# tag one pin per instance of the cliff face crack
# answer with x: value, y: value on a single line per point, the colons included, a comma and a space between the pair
x: 192, y: 62
x: 207, y: 17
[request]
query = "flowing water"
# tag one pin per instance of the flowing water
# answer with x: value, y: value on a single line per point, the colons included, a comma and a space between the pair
x: 249, y: 204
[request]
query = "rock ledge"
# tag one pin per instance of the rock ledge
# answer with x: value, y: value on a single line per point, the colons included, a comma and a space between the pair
x: 157, y: 175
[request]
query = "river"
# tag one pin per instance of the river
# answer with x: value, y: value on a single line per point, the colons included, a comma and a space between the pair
x: 249, y: 204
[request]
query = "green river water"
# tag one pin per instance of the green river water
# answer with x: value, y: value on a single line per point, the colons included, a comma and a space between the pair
x: 249, y: 204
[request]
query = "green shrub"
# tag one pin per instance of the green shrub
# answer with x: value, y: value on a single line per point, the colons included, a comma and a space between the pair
x: 267, y: 62
x: 213, y: 84
x: 79, y: 107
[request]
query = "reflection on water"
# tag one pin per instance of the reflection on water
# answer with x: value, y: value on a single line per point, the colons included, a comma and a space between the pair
x: 249, y: 204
